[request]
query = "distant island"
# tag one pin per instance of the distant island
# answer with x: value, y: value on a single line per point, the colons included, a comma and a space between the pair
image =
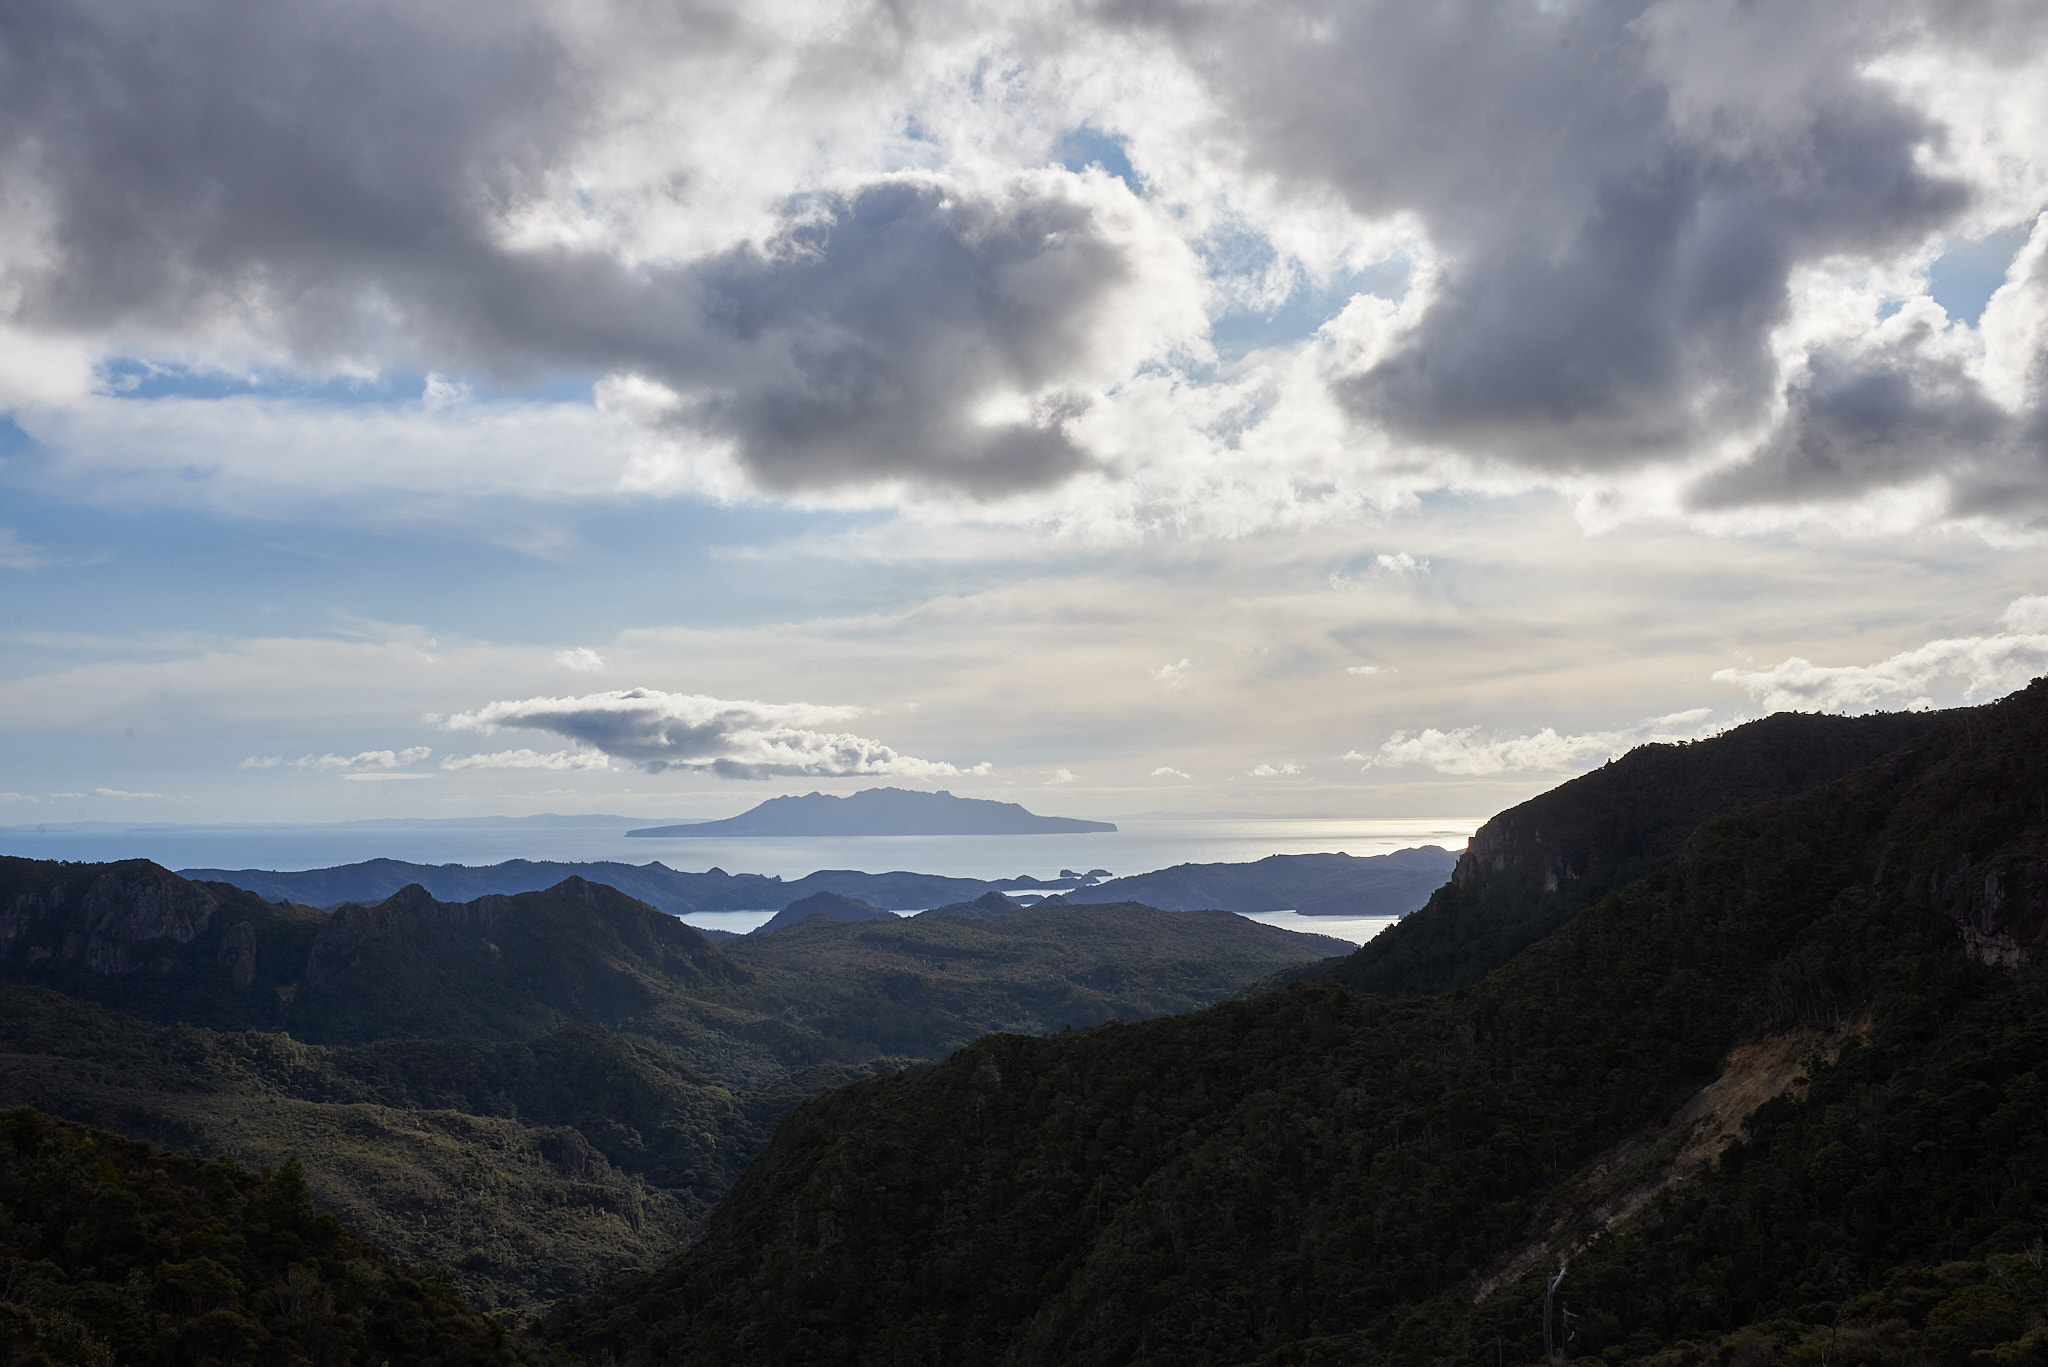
x: 881, y: 811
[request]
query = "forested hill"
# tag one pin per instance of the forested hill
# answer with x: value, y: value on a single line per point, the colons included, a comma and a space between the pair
x: 1780, y: 1095
x: 115, y: 1253
x: 1531, y: 868
x: 539, y: 1089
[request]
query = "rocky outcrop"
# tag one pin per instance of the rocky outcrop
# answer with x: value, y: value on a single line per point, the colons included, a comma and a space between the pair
x: 353, y: 928
x: 238, y: 952
x: 126, y: 919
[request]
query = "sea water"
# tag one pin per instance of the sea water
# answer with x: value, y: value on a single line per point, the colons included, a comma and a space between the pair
x: 1136, y: 846
x: 1356, y: 929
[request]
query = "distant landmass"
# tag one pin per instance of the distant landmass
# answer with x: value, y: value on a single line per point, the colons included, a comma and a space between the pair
x: 1314, y: 884
x: 881, y: 811
x: 670, y: 890
x: 1311, y: 884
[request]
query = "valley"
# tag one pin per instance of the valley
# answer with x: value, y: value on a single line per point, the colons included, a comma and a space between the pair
x: 1741, y: 1034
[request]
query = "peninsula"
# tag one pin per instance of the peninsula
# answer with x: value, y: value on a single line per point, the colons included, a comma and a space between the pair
x: 880, y: 811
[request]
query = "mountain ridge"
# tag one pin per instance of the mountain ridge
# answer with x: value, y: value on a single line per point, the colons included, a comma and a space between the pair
x: 1323, y: 1174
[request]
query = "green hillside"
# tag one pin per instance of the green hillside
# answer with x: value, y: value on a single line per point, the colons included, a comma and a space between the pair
x: 534, y: 1091
x: 1775, y: 1092
x: 115, y: 1253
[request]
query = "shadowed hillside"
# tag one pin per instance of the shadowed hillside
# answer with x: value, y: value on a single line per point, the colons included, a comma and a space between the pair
x: 1775, y: 1093
x: 535, y: 1090
x: 118, y: 1254
x: 1533, y: 867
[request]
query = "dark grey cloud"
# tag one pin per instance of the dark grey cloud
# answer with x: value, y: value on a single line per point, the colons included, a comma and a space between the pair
x: 868, y: 332
x: 1877, y: 417
x: 1621, y: 192
x: 296, y: 164
x: 335, y: 179
x: 734, y: 739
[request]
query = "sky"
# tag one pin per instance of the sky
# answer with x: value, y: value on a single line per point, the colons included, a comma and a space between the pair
x: 1347, y: 408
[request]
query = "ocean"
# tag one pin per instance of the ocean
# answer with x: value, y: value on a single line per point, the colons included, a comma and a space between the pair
x: 1137, y: 846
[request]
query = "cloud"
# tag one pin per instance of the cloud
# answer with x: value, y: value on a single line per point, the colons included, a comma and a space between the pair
x: 581, y: 659
x: 1173, y: 677
x: 1167, y: 771
x: 660, y: 731
x: 519, y: 199
x: 1398, y: 565
x: 829, y: 253
x: 1367, y: 671
x: 260, y: 762
x: 17, y: 797
x: 1983, y: 666
x: 1062, y: 776
x: 16, y: 554
x: 117, y: 792
x: 1663, y: 234
x: 368, y: 761
x: 1465, y: 751
x: 529, y: 759
x: 1278, y: 771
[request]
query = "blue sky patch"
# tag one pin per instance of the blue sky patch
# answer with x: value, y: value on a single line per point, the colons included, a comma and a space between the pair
x: 1085, y: 147
x: 1963, y: 278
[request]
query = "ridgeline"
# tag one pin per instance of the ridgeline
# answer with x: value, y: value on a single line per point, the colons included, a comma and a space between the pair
x: 539, y: 1090
x: 1750, y: 1044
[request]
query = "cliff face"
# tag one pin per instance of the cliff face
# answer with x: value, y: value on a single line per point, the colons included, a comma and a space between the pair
x: 138, y: 936
x: 118, y: 919
x: 1533, y: 867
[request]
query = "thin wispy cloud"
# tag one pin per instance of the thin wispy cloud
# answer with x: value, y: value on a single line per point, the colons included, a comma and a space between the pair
x: 530, y: 759
x: 659, y: 731
x: 1467, y: 750
x: 363, y: 762
x: 1173, y: 676
x: 17, y: 554
x: 1976, y: 667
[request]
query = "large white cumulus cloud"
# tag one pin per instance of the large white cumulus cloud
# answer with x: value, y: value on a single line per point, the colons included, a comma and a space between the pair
x: 659, y: 731
x: 1978, y: 667
x: 834, y: 254
x: 1467, y: 751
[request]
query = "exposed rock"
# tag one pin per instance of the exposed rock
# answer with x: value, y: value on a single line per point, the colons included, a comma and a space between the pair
x: 238, y: 950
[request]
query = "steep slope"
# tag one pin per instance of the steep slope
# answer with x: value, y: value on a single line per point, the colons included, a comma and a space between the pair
x: 530, y: 1170
x: 159, y: 945
x: 1533, y: 867
x: 116, y: 1253
x: 500, y: 967
x: 1322, y: 1175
